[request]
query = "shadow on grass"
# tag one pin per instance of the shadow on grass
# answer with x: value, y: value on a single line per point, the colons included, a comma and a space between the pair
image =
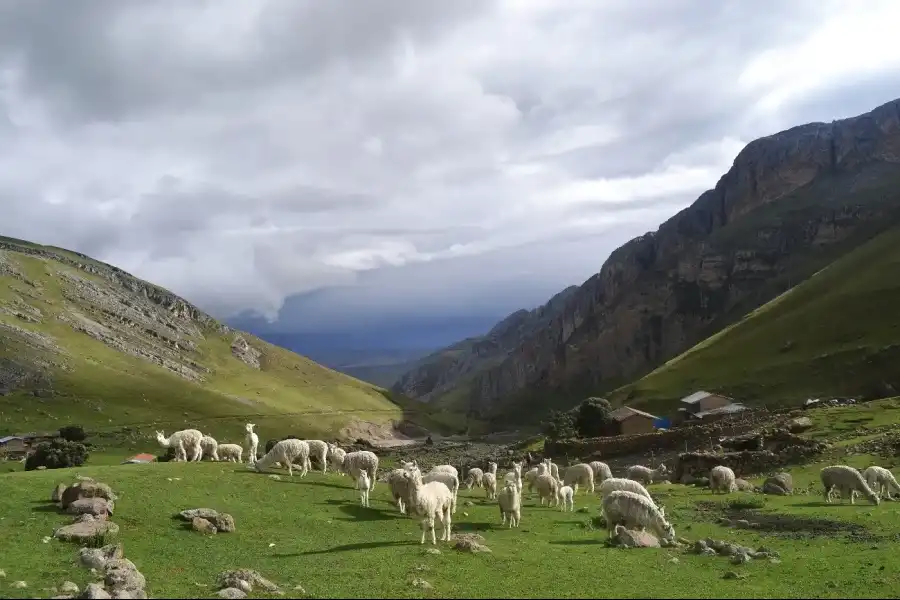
x: 587, y: 542
x: 823, y: 504
x: 48, y: 507
x: 470, y: 526
x: 346, y: 548
x: 358, y: 512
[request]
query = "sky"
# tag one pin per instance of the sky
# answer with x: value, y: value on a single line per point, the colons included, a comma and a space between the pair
x: 327, y: 165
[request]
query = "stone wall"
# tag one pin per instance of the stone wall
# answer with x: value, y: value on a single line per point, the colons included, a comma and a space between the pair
x: 685, y: 438
x: 691, y: 465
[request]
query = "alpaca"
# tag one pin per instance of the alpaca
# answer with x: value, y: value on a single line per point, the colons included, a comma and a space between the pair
x: 361, y: 460
x: 286, y: 452
x: 336, y: 456
x: 510, y: 501
x: 364, y: 486
x: 210, y: 447
x: 430, y: 501
x: 318, y: 450
x: 252, y: 442
x: 183, y: 441
x: 230, y: 452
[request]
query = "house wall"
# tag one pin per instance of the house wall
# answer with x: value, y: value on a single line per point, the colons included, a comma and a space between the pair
x: 636, y: 424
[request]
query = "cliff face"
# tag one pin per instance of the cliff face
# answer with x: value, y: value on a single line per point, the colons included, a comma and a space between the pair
x: 443, y: 371
x: 790, y: 203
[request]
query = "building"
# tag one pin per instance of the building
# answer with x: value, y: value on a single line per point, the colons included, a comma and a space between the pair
x: 14, y: 446
x: 715, y: 414
x: 631, y: 420
x: 139, y: 459
x: 699, y: 402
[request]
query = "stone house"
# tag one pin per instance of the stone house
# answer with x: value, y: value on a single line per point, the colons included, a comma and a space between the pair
x: 631, y: 420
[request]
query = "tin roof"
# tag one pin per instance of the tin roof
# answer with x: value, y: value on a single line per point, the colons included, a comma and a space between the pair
x: 624, y: 412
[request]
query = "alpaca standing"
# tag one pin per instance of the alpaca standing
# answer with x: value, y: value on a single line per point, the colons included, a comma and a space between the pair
x: 430, y: 501
x: 364, y: 486
x: 183, y: 441
x: 252, y: 442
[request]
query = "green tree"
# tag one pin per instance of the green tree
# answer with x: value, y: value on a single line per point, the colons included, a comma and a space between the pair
x: 593, y: 418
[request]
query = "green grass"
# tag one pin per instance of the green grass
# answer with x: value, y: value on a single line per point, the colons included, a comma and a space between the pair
x: 313, y: 532
x: 837, y: 333
x: 105, y: 390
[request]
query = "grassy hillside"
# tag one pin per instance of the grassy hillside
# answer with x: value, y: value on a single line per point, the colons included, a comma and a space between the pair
x: 825, y: 550
x: 83, y: 342
x: 835, y: 334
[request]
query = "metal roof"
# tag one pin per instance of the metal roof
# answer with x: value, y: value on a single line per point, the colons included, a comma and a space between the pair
x: 8, y: 438
x: 624, y: 412
x: 730, y: 408
x: 695, y: 397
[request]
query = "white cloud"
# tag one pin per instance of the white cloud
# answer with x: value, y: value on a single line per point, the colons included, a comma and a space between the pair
x: 396, y: 155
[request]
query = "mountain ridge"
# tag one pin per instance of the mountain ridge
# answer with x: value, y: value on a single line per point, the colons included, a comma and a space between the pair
x: 790, y: 203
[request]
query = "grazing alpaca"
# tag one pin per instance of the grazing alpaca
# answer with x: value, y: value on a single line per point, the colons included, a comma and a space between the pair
x: 286, y: 452
x: 252, y: 442
x: 183, y: 441
x: 210, y: 447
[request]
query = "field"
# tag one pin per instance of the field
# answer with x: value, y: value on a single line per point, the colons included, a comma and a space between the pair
x: 835, y: 334
x: 312, y: 532
x: 108, y: 375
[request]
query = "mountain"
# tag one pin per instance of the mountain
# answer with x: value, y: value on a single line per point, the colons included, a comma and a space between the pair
x: 835, y: 334
x: 790, y: 204
x: 442, y: 372
x: 84, y: 342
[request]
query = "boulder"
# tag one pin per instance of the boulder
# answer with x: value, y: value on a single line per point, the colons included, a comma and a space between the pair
x: 94, y: 590
x: 56, y: 495
x: 231, y: 592
x: 799, y: 424
x: 781, y: 484
x: 87, y: 530
x: 201, y: 525
x: 97, y: 507
x: 244, y: 579
x: 123, y: 580
x: 628, y: 538
x: 86, y: 489
x: 743, y: 485
x: 204, y: 513
x: 96, y: 558
x: 224, y: 523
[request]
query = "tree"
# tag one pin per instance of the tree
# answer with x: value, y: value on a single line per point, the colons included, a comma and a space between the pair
x: 593, y: 418
x: 72, y: 433
x: 560, y: 425
x: 57, y: 454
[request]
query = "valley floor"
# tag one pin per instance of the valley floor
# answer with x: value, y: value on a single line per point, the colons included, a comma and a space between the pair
x: 313, y: 532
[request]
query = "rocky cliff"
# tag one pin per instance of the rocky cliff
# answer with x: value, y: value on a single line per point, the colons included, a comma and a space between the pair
x: 442, y: 371
x: 791, y: 203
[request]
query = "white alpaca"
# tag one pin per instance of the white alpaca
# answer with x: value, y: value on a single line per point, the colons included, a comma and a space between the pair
x: 445, y: 468
x: 515, y: 476
x: 510, y: 501
x: 362, y: 460
x: 430, y: 501
x: 552, y: 469
x: 881, y: 481
x: 186, y: 441
x: 846, y: 481
x: 363, y: 485
x: 565, y: 497
x: 646, y: 475
x: 722, y: 479
x: 528, y: 478
x: 230, y: 452
x: 398, y: 481
x: 580, y: 474
x: 448, y: 479
x: 318, y: 450
x: 547, y: 488
x: 489, y: 481
x: 210, y: 447
x: 473, y: 479
x: 252, y: 443
x: 620, y: 484
x: 336, y: 456
x: 602, y: 471
x: 286, y: 452
x: 634, y: 511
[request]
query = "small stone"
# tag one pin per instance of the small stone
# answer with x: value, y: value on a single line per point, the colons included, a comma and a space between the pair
x: 68, y: 587
x: 201, y: 525
x: 468, y: 503
x: 231, y: 592
x: 420, y: 583
x: 742, y: 524
x: 432, y: 551
x: 46, y: 539
x: 244, y: 585
x: 275, y: 477
x: 224, y: 522
x: 95, y: 591
x: 775, y: 561
x: 674, y: 560
x: 18, y: 585
x: 733, y: 575
x: 2, y: 574
x: 635, y: 539
x: 740, y: 558
x: 299, y: 588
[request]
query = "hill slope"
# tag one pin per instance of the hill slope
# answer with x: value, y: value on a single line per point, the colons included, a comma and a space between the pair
x: 791, y: 203
x: 835, y: 334
x: 84, y: 342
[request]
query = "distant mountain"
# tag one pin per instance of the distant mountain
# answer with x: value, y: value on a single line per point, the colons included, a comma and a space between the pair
x: 791, y: 204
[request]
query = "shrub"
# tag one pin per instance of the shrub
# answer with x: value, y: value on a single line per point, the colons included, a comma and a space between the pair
x: 167, y: 456
x: 57, y: 454
x: 72, y: 433
x: 746, y: 502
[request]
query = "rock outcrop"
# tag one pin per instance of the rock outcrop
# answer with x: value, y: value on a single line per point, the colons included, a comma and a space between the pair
x: 789, y: 202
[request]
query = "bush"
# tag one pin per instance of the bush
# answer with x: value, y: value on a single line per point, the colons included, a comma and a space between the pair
x: 72, y: 433
x: 167, y: 456
x: 747, y: 502
x: 560, y: 425
x: 57, y: 454
x: 592, y: 418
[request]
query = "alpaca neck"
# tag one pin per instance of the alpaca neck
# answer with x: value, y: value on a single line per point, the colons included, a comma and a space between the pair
x: 165, y: 442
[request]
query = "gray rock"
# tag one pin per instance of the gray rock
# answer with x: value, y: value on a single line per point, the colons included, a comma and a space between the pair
x: 94, y: 590
x: 224, y: 523
x: 19, y: 585
x: 86, y: 489
x: 740, y: 558
x: 56, y: 495
x: 204, y: 513
x: 800, y: 424
x: 231, y: 592
x: 98, y: 507
x: 232, y: 578
x: 201, y: 525
x: 628, y: 538
x: 86, y: 531
x: 743, y: 485
x: 742, y: 524
x: 120, y: 574
x: 96, y: 558
x: 68, y: 587
x: 781, y: 484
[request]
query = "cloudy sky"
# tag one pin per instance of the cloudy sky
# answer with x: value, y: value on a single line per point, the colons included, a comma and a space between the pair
x: 394, y: 159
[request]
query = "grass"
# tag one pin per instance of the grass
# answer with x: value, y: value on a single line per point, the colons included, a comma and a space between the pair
x: 105, y: 390
x: 312, y: 532
x: 837, y: 333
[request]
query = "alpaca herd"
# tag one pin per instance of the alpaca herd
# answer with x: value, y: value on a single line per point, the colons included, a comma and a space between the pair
x: 432, y: 496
